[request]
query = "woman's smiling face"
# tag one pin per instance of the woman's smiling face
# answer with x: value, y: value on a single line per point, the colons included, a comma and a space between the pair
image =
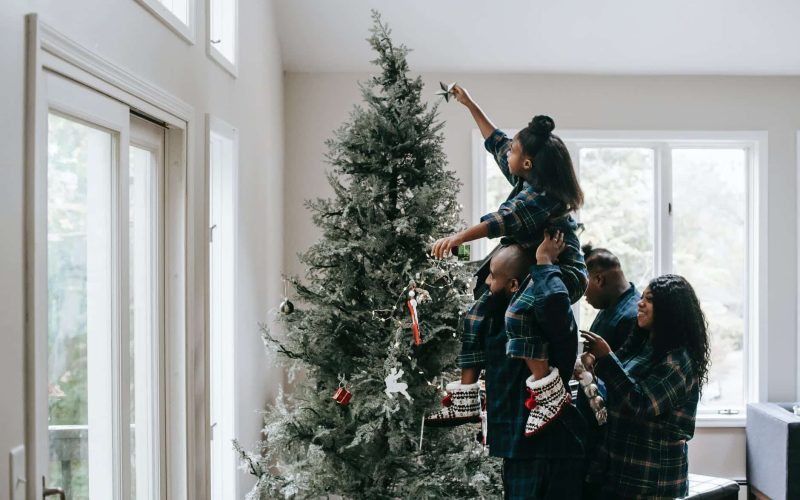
x: 645, y: 315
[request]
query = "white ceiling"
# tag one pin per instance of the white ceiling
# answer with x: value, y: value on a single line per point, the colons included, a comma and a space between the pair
x: 742, y: 37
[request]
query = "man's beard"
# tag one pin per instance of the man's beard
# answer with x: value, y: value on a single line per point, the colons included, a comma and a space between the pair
x: 498, y: 301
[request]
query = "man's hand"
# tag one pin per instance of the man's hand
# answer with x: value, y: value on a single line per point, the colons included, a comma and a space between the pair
x: 443, y: 247
x: 595, y: 344
x: 462, y: 96
x: 550, y: 248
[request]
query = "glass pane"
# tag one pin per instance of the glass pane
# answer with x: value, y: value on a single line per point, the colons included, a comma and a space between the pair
x: 497, y: 190
x: 710, y: 250
x: 223, y: 27
x: 618, y: 213
x: 221, y: 272
x: 178, y: 7
x: 143, y: 323
x: 79, y: 305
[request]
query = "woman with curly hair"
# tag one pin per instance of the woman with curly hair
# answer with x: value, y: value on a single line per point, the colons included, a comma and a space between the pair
x: 653, y: 383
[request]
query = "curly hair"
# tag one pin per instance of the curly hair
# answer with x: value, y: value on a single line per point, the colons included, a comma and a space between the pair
x: 679, y: 322
x: 554, y: 170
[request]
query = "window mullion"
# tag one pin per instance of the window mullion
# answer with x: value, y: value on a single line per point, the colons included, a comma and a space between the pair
x: 121, y: 339
x: 663, y: 210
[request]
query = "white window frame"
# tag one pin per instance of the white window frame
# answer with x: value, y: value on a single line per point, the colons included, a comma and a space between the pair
x: 107, y: 367
x: 222, y: 432
x: 148, y: 371
x: 662, y: 142
x: 797, y: 190
x: 48, y: 50
x: 186, y: 30
x: 215, y: 54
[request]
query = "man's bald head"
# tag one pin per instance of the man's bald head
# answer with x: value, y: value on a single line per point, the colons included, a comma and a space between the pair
x: 512, y: 261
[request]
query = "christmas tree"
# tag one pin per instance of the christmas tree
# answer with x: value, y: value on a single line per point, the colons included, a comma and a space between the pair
x: 353, y: 334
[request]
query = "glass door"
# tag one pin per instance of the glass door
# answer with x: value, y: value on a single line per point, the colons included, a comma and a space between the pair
x: 101, y: 438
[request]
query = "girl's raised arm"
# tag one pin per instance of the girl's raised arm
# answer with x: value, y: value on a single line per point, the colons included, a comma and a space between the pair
x: 484, y: 124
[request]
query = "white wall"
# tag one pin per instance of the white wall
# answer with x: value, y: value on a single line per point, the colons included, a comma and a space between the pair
x: 318, y: 103
x: 123, y: 32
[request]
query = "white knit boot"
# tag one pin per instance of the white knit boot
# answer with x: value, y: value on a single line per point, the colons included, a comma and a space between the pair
x: 462, y: 405
x: 547, y: 398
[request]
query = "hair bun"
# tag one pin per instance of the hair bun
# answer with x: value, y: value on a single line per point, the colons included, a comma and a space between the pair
x: 542, y: 125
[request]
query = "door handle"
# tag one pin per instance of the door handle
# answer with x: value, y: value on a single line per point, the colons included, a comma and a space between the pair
x: 54, y: 491
x: 48, y: 492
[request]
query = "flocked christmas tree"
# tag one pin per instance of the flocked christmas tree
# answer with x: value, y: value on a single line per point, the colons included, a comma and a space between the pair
x: 353, y: 326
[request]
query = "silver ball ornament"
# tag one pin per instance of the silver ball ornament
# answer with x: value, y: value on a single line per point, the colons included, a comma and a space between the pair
x: 286, y: 307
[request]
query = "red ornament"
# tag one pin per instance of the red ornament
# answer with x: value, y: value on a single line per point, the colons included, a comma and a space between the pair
x: 342, y: 396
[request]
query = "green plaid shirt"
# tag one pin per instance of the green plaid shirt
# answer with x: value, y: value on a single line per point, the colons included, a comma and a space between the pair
x: 652, y: 404
x: 505, y: 377
x: 527, y: 213
x: 523, y: 217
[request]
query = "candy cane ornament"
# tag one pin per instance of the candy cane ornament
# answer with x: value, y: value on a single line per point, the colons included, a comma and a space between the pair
x: 412, y: 308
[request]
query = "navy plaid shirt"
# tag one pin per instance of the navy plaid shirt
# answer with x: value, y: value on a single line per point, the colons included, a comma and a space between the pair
x: 505, y: 377
x: 616, y: 322
x: 652, y: 404
x: 525, y: 215
x: 526, y: 212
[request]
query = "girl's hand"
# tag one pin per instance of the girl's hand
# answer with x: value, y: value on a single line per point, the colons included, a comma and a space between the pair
x: 595, y: 344
x: 442, y: 247
x: 550, y: 248
x: 462, y: 95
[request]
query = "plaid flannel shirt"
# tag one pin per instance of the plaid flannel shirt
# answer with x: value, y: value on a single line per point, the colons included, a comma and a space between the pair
x: 652, y: 404
x: 525, y: 215
x: 614, y: 324
x: 528, y: 213
x: 505, y: 377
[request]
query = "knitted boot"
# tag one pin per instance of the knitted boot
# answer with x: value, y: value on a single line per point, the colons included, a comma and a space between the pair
x: 547, y: 398
x: 461, y: 405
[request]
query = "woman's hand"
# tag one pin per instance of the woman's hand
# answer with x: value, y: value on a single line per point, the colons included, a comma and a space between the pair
x: 595, y: 344
x: 443, y: 247
x: 550, y: 248
x: 462, y: 96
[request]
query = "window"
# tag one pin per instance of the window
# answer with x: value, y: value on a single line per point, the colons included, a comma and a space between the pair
x: 223, y: 26
x: 110, y: 329
x: 104, y: 296
x: 145, y: 201
x: 222, y: 159
x: 79, y: 305
x: 688, y: 204
x: 177, y: 15
x: 628, y: 173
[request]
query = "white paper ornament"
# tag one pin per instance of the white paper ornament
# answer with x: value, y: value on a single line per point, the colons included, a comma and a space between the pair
x: 394, y: 385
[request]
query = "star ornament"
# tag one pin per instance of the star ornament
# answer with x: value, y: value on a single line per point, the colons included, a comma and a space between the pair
x: 447, y: 90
